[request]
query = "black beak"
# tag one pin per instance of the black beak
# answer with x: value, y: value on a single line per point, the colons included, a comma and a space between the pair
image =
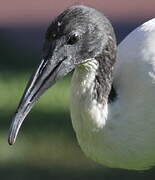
x: 47, y: 73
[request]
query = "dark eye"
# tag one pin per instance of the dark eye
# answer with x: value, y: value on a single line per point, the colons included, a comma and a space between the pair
x: 72, y: 39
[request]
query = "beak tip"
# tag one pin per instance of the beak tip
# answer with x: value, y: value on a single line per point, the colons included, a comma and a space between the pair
x: 12, y: 135
x: 14, y: 128
x: 11, y: 141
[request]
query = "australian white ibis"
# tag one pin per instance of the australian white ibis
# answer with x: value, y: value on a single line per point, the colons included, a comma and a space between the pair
x: 112, y: 99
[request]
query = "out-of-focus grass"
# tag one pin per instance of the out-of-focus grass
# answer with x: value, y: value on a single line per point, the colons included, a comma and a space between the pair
x: 46, y: 147
x: 46, y: 137
x: 12, y: 86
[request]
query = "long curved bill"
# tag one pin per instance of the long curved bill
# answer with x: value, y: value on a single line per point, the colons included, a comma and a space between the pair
x: 47, y: 73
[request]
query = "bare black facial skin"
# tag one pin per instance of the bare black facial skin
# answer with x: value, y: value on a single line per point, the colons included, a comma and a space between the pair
x: 77, y: 34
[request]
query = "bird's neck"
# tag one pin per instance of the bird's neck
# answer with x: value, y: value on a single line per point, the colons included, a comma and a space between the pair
x: 90, y: 88
x: 89, y: 104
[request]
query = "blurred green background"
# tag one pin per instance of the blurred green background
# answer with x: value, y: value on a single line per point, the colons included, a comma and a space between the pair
x: 46, y: 147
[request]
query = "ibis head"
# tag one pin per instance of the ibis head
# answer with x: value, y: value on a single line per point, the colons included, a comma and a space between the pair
x: 112, y: 131
x: 76, y: 35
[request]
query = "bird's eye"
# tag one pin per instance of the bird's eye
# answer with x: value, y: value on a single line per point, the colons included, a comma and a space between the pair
x: 72, y: 39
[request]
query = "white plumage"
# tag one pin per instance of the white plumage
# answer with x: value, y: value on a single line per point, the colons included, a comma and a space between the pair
x: 120, y: 134
x: 113, y: 114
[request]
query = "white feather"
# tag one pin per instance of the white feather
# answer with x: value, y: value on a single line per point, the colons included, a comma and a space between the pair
x: 120, y: 134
